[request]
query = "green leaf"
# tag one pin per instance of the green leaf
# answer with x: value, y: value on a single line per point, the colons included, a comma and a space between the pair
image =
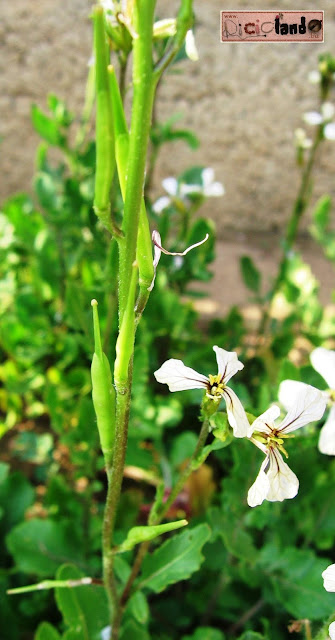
x: 47, y: 128
x: 175, y: 560
x: 205, y: 633
x: 230, y: 529
x: 84, y: 609
x: 133, y: 631
x: 46, y: 631
x: 40, y: 546
x: 136, y: 535
x: 250, y: 274
x: 297, y: 583
x: 138, y: 607
x: 251, y: 635
x: 322, y: 211
x: 183, y: 447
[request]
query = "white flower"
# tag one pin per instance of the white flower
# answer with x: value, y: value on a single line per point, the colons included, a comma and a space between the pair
x: 276, y: 481
x: 179, y: 190
x: 332, y: 631
x: 158, y: 250
x: 329, y: 133
x: 165, y: 28
x: 178, y: 377
x: 326, y: 114
x: 329, y: 578
x: 190, y: 48
x: 323, y: 361
x: 106, y: 633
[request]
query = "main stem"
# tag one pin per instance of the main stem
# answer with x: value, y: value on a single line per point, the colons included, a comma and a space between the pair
x: 156, y: 517
x: 144, y: 85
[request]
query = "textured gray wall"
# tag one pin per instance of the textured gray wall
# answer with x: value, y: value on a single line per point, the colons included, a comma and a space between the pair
x: 244, y: 101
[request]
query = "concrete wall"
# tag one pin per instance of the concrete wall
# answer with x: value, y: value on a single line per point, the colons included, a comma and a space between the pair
x: 244, y: 101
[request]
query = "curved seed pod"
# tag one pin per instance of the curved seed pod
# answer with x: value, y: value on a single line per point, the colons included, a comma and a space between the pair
x: 103, y: 393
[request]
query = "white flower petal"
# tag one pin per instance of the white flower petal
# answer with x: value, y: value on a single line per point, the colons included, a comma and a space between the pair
x: 207, y: 176
x: 313, y: 117
x: 215, y: 190
x: 178, y: 377
x: 288, y: 392
x: 310, y: 406
x: 228, y: 363
x: 265, y: 422
x: 237, y: 417
x: 186, y: 189
x: 329, y: 131
x: 190, y: 48
x: 331, y: 631
x: 283, y: 482
x: 329, y: 578
x: 106, y: 633
x: 170, y: 185
x: 323, y: 361
x: 327, y: 435
x: 162, y: 203
x: 259, y: 490
x: 327, y: 111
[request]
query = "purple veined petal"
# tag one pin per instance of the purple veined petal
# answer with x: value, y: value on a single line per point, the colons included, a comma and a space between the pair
x: 260, y: 489
x: 323, y: 361
x: 228, y: 363
x: 284, y: 484
x: 265, y: 422
x: 237, y: 417
x: 329, y: 578
x: 288, y: 392
x: 331, y: 631
x: 178, y: 377
x: 327, y: 435
x: 170, y: 185
x: 158, y: 250
x: 309, y: 407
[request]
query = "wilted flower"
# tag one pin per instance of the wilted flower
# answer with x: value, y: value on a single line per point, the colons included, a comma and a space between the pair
x: 158, y: 250
x: 179, y: 190
x: 323, y: 361
x: 178, y: 377
x: 276, y: 481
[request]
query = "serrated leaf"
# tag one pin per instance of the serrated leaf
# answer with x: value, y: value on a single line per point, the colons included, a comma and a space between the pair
x: 46, y: 631
x: 136, y: 535
x: 40, y: 546
x: 250, y: 274
x: 176, y: 559
x: 84, y: 609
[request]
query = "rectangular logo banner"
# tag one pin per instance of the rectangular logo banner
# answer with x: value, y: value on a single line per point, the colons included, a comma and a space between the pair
x: 272, y: 26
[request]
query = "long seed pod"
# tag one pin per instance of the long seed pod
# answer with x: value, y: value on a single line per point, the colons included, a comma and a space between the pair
x: 125, y: 341
x: 105, y: 158
x: 144, y: 244
x: 103, y: 393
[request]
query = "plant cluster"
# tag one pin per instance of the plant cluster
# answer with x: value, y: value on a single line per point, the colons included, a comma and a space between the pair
x: 101, y: 465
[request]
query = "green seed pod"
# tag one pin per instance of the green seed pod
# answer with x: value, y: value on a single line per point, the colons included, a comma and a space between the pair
x: 125, y: 341
x: 103, y: 393
x: 105, y: 158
